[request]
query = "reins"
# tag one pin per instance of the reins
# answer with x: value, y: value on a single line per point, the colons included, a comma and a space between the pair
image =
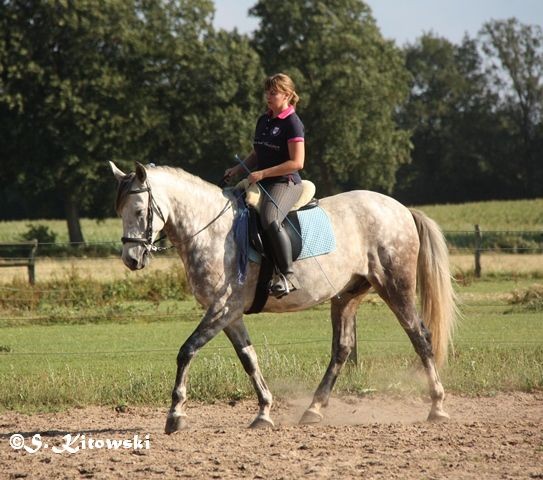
x: 220, y: 214
x: 147, y: 241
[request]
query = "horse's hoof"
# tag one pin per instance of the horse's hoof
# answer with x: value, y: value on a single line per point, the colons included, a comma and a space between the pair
x: 262, y: 422
x: 311, y: 416
x: 174, y: 423
x: 438, y: 416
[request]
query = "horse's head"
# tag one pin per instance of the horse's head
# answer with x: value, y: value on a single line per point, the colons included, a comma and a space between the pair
x: 142, y: 212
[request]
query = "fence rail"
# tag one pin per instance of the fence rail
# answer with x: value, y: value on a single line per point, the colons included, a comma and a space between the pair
x: 477, y: 242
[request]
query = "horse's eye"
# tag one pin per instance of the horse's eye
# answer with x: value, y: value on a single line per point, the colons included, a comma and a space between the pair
x: 139, y: 213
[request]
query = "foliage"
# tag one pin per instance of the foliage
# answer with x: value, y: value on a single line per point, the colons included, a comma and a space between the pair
x: 67, y: 97
x: 529, y: 298
x: 82, y: 83
x: 351, y: 81
x: 449, y: 111
x: 476, y: 114
x: 85, y: 82
x: 211, y: 106
x: 73, y: 293
x: 42, y: 233
x: 515, y: 59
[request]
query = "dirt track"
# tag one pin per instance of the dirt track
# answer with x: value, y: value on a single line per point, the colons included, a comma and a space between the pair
x: 377, y: 437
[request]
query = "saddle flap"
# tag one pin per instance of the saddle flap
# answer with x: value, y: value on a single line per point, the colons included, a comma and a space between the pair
x: 258, y: 239
x: 256, y: 236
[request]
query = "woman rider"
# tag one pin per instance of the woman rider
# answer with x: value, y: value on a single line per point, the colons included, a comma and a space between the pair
x: 277, y: 156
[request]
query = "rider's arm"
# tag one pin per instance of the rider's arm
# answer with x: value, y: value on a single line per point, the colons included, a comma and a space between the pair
x: 250, y: 163
x: 296, y: 152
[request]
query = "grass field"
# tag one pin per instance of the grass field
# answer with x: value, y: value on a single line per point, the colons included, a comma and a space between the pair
x: 108, y: 230
x: 495, y: 215
x: 131, y: 359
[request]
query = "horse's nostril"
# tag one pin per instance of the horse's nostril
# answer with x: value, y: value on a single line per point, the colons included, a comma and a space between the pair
x: 131, y: 263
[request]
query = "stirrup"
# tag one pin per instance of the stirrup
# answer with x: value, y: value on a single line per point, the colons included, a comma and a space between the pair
x: 281, y: 285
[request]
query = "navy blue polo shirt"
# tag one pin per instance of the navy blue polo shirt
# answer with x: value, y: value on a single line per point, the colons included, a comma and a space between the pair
x: 272, y: 136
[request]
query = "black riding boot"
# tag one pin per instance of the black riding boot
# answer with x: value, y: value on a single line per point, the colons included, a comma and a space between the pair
x: 285, y: 281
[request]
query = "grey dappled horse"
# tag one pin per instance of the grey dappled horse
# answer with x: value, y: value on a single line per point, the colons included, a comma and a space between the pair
x: 379, y: 243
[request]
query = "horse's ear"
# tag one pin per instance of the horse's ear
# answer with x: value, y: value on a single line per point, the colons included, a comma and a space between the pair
x: 119, y: 174
x: 141, y: 173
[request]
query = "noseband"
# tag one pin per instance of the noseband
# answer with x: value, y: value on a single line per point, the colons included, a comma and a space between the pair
x: 146, y: 241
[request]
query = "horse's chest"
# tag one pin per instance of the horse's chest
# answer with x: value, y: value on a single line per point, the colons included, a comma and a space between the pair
x: 205, y: 276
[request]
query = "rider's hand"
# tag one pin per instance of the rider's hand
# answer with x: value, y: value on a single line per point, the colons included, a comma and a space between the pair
x: 230, y: 172
x: 256, y: 176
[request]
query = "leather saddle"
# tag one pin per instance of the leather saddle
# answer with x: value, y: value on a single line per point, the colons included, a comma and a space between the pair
x: 257, y: 238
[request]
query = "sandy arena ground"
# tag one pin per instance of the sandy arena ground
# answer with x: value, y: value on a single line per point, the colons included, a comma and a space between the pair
x: 499, y: 437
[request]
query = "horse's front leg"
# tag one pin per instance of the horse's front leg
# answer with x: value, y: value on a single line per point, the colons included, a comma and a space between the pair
x: 238, y: 335
x: 216, y: 319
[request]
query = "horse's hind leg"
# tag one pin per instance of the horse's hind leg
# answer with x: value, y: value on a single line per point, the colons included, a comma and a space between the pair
x: 343, y: 324
x: 402, y: 303
x: 238, y: 335
x: 420, y: 337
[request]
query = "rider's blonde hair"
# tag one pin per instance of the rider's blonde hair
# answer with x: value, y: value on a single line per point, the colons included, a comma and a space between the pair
x: 282, y: 83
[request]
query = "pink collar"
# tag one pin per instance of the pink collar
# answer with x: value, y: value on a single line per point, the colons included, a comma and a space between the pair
x: 285, y: 113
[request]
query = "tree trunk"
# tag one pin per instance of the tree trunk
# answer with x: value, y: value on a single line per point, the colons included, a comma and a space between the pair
x: 72, y: 217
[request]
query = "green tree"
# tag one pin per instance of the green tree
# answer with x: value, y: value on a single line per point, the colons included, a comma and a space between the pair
x: 209, y: 97
x: 351, y: 82
x: 68, y: 97
x: 450, y: 112
x: 515, y: 64
x: 85, y: 82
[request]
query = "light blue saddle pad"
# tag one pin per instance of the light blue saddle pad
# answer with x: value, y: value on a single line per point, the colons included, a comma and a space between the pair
x: 317, y: 235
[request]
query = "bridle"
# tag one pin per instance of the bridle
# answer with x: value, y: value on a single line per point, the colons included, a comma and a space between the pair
x: 147, y: 240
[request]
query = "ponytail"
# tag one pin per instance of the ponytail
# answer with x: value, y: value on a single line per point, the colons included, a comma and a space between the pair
x: 282, y: 83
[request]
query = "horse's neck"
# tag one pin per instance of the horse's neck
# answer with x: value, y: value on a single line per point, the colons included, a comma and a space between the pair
x: 200, y: 240
x: 193, y: 203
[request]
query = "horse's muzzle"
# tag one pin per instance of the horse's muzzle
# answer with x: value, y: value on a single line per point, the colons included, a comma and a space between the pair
x: 136, y: 258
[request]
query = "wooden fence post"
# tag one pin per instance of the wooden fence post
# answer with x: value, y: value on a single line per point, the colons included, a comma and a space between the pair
x: 478, y: 249
x: 32, y: 263
x: 353, y: 356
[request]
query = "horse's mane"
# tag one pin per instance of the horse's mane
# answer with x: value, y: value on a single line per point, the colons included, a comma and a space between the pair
x: 184, y: 177
x: 181, y: 174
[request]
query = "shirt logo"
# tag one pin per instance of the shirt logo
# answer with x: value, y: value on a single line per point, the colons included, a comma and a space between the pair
x: 275, y: 131
x: 267, y: 144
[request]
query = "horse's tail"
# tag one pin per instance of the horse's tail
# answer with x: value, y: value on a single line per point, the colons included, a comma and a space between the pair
x: 438, y: 299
